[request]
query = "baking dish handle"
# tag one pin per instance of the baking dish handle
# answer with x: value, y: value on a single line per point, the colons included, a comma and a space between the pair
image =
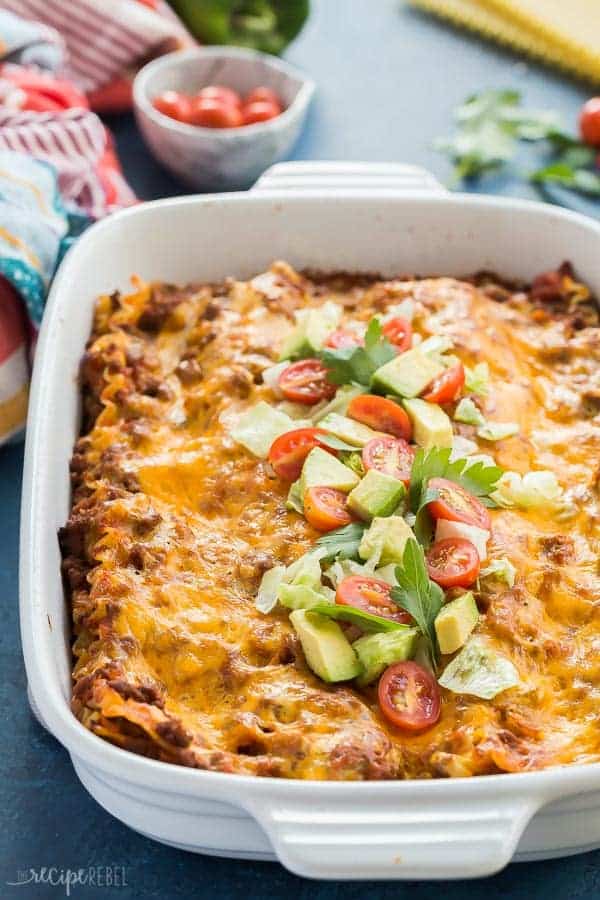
x: 341, y: 177
x: 424, y: 836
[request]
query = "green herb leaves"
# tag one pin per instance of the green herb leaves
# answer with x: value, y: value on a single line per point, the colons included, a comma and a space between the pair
x: 477, y: 477
x: 342, y: 543
x: 491, y: 124
x: 357, y: 364
x: 416, y: 594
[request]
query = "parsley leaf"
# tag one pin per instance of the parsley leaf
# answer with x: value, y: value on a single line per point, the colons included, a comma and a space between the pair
x: 565, y: 175
x: 416, y: 594
x: 490, y: 124
x: 342, y: 543
x: 478, y: 478
x: 357, y: 364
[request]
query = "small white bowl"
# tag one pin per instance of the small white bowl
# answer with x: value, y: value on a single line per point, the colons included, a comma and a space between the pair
x: 220, y: 158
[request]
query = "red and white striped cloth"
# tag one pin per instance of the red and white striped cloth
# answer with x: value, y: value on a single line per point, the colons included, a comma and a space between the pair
x: 80, y: 148
x: 105, y: 39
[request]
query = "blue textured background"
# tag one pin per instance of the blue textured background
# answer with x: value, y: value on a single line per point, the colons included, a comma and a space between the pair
x: 388, y: 79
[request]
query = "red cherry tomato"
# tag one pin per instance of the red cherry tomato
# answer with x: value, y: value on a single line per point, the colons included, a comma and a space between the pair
x: 409, y: 697
x: 342, y: 338
x: 220, y: 93
x: 457, y: 505
x: 589, y: 122
x: 447, y: 386
x: 214, y: 114
x: 325, y: 508
x: 372, y: 596
x: 306, y: 382
x: 288, y: 452
x: 263, y: 94
x: 453, y: 562
x: 390, y: 455
x: 398, y: 331
x: 260, y: 111
x: 380, y: 414
x: 174, y: 105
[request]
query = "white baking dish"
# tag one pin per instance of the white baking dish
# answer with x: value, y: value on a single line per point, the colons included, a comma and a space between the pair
x: 329, y: 216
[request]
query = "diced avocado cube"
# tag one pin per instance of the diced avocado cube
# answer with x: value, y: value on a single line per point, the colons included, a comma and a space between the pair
x: 377, y: 651
x: 455, y: 622
x: 328, y: 653
x: 347, y: 429
x: 312, y: 327
x: 321, y: 469
x: 387, y: 536
x: 299, y: 596
x: 431, y: 425
x: 407, y: 374
x: 377, y: 494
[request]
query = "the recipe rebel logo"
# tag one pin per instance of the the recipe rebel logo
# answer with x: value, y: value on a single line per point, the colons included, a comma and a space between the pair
x: 91, y: 876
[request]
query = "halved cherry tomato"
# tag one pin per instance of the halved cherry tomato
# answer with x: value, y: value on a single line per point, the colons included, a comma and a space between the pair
x: 342, y: 338
x: 220, y: 93
x: 306, y: 382
x: 409, y: 697
x: 260, y: 111
x: 174, y: 105
x: 390, y: 455
x: 325, y: 508
x: 263, y: 94
x: 372, y: 596
x: 398, y: 331
x: 453, y: 562
x: 447, y: 386
x: 289, y: 450
x: 589, y: 122
x: 212, y: 113
x: 457, y: 505
x: 380, y: 414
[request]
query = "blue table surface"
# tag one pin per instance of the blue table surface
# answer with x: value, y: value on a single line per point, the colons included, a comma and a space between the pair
x: 388, y: 78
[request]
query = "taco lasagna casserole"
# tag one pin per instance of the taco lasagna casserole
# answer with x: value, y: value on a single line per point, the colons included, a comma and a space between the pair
x: 337, y: 527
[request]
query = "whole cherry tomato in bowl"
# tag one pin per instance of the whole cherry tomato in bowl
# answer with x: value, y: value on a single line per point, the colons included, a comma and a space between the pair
x: 589, y: 122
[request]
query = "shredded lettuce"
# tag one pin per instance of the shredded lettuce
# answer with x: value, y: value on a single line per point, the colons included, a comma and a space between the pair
x: 259, y: 426
x: 497, y: 431
x: 270, y: 376
x: 266, y: 599
x: 405, y: 309
x: 530, y: 491
x: 467, y: 412
x: 340, y: 402
x: 501, y: 569
x: 480, y: 671
x: 461, y: 447
x: 295, y: 500
x: 477, y: 379
x: 436, y: 344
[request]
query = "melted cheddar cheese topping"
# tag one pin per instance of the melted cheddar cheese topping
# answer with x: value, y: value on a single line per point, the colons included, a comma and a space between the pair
x: 173, y: 525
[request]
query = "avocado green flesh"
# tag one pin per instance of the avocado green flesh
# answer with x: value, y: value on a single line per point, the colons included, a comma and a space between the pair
x: 321, y: 469
x: 455, y: 622
x: 377, y: 494
x: 327, y: 652
x: 347, y: 429
x: 431, y: 425
x: 377, y: 651
x: 408, y: 374
x: 386, y: 536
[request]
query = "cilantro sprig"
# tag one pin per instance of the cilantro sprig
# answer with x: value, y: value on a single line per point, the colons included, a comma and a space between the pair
x: 491, y: 124
x: 357, y: 364
x: 478, y: 478
x: 417, y: 594
x: 342, y: 543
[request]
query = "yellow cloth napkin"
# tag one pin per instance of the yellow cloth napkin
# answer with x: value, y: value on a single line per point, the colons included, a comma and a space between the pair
x: 564, y: 33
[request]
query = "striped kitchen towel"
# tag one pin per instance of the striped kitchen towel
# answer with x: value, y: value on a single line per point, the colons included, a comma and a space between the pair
x: 35, y: 229
x: 104, y: 43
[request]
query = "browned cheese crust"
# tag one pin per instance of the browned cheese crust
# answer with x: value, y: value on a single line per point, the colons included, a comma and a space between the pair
x: 173, y: 525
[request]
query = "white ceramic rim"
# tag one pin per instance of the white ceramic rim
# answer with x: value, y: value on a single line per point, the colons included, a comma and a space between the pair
x: 171, y: 60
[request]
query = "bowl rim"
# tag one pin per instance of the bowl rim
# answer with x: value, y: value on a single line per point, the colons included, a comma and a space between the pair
x: 141, y: 99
